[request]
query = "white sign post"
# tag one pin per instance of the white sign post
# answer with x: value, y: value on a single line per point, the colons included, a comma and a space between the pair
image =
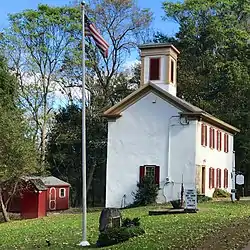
x: 240, y: 179
x: 191, y: 199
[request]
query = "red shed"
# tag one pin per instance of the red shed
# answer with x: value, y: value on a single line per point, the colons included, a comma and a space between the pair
x: 33, y: 199
x: 55, y: 191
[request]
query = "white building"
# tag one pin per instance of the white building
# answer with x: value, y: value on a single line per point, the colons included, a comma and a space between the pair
x: 153, y: 132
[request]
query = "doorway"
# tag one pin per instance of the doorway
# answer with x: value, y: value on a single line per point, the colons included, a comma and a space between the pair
x: 203, y: 179
x: 52, y: 198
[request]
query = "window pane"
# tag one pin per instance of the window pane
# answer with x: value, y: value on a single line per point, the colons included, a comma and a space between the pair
x: 150, y: 172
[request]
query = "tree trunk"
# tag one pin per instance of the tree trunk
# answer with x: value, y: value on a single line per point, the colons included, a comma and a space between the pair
x: 3, y: 208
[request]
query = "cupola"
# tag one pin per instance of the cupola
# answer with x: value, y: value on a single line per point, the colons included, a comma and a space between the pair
x: 159, y: 65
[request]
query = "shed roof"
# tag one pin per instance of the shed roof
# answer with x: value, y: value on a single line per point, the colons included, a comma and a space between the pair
x: 39, y: 185
x: 48, y: 180
x: 187, y: 108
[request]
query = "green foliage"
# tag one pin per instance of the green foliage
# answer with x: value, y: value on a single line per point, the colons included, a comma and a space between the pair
x: 64, y: 151
x: 127, y: 222
x: 113, y: 236
x: 203, y: 198
x: 220, y: 193
x: 213, y: 67
x: 146, y: 193
x: 18, y: 154
x: 176, y: 204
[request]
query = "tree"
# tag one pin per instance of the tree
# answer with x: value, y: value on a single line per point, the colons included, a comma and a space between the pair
x: 123, y: 25
x: 36, y: 44
x: 18, y: 154
x: 64, y: 150
x: 213, y: 70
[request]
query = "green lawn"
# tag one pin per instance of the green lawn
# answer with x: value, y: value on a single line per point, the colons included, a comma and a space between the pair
x: 162, y: 232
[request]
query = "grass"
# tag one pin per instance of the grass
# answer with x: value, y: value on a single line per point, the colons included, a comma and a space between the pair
x: 182, y: 231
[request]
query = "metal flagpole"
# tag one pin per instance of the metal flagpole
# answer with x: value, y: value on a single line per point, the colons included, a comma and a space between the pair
x: 84, y: 241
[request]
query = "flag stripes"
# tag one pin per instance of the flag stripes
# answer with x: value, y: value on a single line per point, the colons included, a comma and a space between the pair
x: 91, y: 30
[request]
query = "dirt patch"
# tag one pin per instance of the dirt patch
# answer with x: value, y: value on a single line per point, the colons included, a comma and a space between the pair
x: 13, y: 216
x: 234, y: 236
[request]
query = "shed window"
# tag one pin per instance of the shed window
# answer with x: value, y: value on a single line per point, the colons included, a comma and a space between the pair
x: 203, y: 135
x: 154, y: 69
x: 150, y: 171
x: 62, y: 192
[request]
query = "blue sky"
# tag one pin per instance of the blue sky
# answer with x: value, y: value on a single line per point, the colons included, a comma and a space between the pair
x: 15, y: 6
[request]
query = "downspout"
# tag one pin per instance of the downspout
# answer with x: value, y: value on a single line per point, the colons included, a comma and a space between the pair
x: 233, y: 178
x: 167, y: 181
x: 169, y: 141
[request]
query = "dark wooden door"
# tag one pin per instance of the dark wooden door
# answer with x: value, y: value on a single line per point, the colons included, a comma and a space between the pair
x: 203, y: 180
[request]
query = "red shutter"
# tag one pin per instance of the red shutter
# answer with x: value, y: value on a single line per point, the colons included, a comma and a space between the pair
x: 210, y: 177
x: 218, y: 140
x: 217, y: 178
x: 225, y: 178
x: 202, y: 134
x: 142, y: 172
x: 210, y: 137
x: 205, y: 135
x: 213, y: 138
x: 154, y: 69
x: 157, y: 175
x: 226, y: 143
x: 213, y: 178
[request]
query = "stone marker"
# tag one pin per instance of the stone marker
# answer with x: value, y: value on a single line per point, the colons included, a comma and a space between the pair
x: 110, y: 217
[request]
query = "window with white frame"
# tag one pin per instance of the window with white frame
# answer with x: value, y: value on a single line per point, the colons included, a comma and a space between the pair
x: 62, y: 192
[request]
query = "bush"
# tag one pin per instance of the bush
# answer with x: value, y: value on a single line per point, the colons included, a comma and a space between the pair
x: 203, y: 198
x: 176, y: 204
x: 127, y: 222
x: 113, y: 236
x: 220, y: 193
x: 146, y: 193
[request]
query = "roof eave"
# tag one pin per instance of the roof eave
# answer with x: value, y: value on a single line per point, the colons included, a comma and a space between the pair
x: 213, y: 120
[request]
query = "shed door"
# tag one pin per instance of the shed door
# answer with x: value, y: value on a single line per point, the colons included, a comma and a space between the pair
x: 52, y: 198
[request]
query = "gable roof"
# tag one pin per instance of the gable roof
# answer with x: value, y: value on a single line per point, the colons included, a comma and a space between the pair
x: 187, y: 109
x: 38, y: 184
x: 47, y: 180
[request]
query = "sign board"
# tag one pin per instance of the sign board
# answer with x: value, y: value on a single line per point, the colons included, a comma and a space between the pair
x: 239, y: 179
x: 190, y: 199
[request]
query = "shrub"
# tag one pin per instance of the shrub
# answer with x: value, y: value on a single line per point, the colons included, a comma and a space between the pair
x: 176, y: 204
x: 220, y: 193
x: 127, y: 222
x: 113, y: 236
x: 146, y: 193
x: 203, y: 198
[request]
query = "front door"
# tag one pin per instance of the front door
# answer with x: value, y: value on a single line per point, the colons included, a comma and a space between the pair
x: 203, y: 180
x: 52, y: 198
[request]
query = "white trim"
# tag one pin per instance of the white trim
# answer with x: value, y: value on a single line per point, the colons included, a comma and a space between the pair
x: 62, y: 196
x: 52, y: 200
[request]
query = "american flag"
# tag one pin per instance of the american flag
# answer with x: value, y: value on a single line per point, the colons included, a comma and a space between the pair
x: 91, y: 30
